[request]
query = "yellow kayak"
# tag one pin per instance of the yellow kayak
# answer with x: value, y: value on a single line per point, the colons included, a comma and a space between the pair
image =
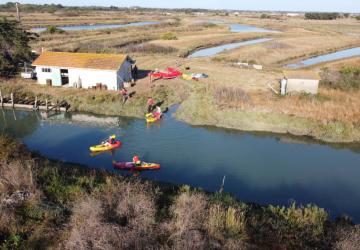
x: 150, y: 118
x: 104, y: 147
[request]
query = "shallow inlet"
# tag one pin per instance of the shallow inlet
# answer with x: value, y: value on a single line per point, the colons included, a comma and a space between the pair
x: 261, y: 168
x: 326, y: 58
x: 248, y: 28
x: 218, y: 49
x: 97, y: 26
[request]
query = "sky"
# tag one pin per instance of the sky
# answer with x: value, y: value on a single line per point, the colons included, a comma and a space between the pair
x: 283, y: 5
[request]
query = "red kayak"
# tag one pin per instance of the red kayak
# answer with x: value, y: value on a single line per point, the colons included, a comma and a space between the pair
x: 132, y: 166
x: 170, y: 73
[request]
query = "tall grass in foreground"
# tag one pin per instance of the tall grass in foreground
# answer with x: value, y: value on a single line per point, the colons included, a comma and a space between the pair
x: 72, y: 207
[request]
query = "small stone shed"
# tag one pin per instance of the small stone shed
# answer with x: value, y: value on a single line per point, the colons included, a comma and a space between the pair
x: 300, y: 81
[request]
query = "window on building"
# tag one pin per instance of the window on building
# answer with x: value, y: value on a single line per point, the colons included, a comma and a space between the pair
x: 46, y: 70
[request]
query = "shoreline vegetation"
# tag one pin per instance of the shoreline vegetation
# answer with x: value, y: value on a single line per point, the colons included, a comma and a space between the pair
x: 227, y: 107
x: 51, y: 204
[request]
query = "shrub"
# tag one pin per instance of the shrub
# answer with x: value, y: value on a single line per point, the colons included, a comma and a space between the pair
x: 357, y: 18
x: 188, y: 224
x: 347, y: 78
x: 169, y: 36
x: 53, y: 30
x: 310, y: 217
x: 226, y: 222
x: 322, y: 16
x: 265, y: 16
x: 150, y: 48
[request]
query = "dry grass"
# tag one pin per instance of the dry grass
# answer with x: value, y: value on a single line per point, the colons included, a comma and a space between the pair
x: 328, y: 106
x: 15, y: 175
x: 231, y: 96
x: 114, y: 220
x: 349, y: 239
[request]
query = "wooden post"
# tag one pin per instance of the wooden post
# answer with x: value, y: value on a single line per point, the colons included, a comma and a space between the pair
x: 12, y: 99
x: 1, y: 99
x: 46, y: 104
x: 35, y: 104
x: 17, y: 12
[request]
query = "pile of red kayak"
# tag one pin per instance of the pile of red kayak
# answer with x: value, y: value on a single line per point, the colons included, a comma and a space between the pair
x: 169, y: 73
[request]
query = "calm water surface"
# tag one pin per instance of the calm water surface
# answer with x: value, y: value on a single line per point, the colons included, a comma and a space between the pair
x: 218, y: 49
x: 98, y: 26
x: 262, y: 168
x: 248, y: 28
x: 326, y: 58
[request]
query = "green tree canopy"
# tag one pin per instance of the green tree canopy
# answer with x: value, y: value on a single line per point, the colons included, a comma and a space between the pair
x: 14, y: 46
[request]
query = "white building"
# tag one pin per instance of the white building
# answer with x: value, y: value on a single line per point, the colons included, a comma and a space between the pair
x: 300, y: 81
x: 83, y: 69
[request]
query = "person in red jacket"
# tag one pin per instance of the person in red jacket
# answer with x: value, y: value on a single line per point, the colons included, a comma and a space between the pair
x: 150, y: 104
x: 124, y: 94
x: 136, y: 160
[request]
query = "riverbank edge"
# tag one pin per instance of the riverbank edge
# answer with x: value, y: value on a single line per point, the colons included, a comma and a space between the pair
x: 194, y: 109
x: 78, y: 184
x: 199, y: 111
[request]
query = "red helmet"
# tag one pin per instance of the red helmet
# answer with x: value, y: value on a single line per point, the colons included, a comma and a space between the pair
x: 136, y: 158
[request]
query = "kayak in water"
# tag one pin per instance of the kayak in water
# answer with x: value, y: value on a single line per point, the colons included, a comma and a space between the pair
x: 105, y: 147
x: 151, y: 118
x: 109, y: 144
x: 133, y: 166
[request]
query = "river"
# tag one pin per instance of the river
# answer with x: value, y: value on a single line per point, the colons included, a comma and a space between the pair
x: 261, y: 168
x: 98, y: 26
x: 341, y: 54
x: 218, y: 49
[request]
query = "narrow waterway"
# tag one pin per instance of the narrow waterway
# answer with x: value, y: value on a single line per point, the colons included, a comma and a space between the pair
x: 218, y: 49
x: 98, y: 26
x: 342, y: 54
x: 248, y: 28
x: 261, y: 168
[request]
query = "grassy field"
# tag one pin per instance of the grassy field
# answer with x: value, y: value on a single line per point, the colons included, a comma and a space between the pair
x: 52, y: 205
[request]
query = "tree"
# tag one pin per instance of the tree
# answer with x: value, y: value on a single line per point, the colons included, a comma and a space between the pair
x: 14, y: 46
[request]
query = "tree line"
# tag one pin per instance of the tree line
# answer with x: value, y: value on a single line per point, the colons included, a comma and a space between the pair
x: 322, y: 15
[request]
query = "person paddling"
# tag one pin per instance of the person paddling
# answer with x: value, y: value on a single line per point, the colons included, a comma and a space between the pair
x: 110, y: 141
x: 157, y: 113
x: 150, y: 104
x: 136, y: 160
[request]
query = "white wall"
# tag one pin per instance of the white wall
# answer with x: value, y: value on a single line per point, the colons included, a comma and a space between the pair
x: 43, y: 76
x: 302, y: 85
x: 89, y: 78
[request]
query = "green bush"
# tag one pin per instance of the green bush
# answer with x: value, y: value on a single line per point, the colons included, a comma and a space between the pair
x: 53, y: 30
x: 357, y: 18
x: 265, y: 16
x: 322, y: 16
x: 347, y: 78
x: 169, y: 36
